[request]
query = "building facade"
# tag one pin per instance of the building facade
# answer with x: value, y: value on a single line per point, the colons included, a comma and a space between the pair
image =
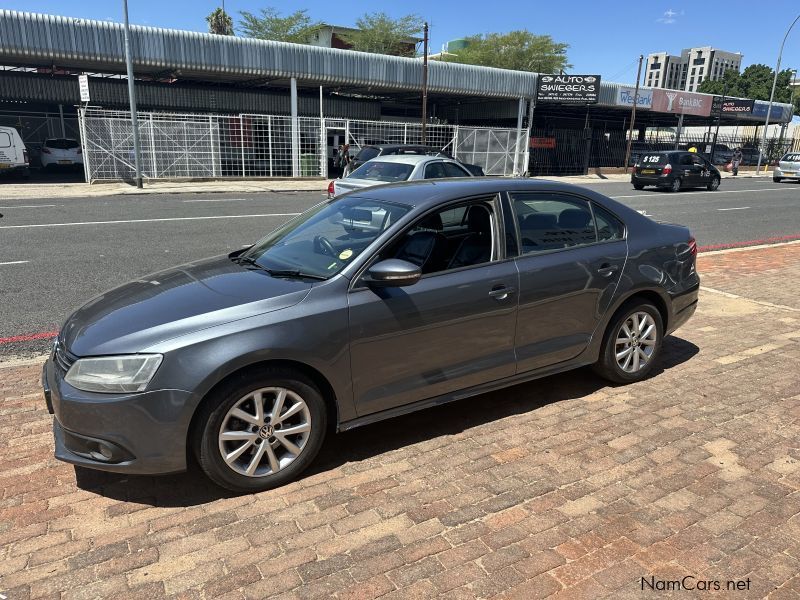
x: 687, y: 71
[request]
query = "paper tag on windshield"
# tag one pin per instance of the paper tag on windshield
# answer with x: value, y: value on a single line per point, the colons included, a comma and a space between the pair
x: 345, y: 254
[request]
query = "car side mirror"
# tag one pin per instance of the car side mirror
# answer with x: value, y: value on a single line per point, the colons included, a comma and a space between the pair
x: 392, y: 272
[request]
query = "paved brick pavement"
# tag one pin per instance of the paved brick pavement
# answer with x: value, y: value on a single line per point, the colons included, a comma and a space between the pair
x: 563, y: 487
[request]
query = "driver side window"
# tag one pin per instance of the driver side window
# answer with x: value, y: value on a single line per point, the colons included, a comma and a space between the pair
x: 451, y: 238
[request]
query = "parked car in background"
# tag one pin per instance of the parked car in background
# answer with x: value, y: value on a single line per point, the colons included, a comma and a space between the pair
x: 61, y: 152
x: 375, y: 150
x: 363, y: 308
x: 788, y: 168
x: 14, y: 158
x: 394, y: 168
x: 675, y: 171
x: 750, y: 156
x: 723, y: 154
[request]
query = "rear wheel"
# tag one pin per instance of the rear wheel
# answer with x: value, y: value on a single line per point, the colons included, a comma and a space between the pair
x: 638, y: 186
x: 776, y: 179
x: 676, y: 185
x: 713, y: 185
x: 261, y: 430
x: 632, y: 343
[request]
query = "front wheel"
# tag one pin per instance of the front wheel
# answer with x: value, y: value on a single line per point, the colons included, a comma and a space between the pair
x: 713, y: 185
x: 261, y: 430
x: 632, y: 343
x: 676, y: 185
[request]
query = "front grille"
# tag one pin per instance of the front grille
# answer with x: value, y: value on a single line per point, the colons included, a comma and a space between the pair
x: 62, y: 357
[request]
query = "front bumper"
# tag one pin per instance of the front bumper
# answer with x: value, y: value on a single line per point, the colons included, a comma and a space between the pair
x: 144, y: 433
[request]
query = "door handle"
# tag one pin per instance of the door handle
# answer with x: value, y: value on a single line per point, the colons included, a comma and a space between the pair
x: 501, y: 292
x: 606, y: 270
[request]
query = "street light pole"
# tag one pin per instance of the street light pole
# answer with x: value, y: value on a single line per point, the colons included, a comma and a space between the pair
x: 132, y: 99
x: 633, y: 113
x: 772, y: 96
x: 424, y: 84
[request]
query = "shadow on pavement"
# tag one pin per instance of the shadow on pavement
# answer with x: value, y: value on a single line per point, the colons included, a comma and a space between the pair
x: 192, y: 488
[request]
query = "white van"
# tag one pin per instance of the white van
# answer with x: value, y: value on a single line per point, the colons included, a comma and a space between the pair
x: 13, y: 155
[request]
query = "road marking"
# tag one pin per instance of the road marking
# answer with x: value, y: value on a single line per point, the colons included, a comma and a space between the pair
x: 696, y: 193
x: 735, y: 208
x: 28, y: 337
x: 14, y: 262
x: 147, y: 220
x: 30, y: 206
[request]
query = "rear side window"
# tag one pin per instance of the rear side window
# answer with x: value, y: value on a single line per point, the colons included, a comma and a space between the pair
x: 435, y: 170
x: 552, y: 221
x: 453, y: 170
x: 608, y: 226
x: 367, y: 154
x: 5, y: 140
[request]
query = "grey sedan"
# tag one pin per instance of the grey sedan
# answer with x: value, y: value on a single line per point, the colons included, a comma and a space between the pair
x: 372, y: 305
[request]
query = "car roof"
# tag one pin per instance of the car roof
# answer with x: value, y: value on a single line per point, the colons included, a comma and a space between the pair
x: 406, y: 159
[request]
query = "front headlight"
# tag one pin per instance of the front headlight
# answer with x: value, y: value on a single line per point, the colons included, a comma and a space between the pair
x: 113, y: 374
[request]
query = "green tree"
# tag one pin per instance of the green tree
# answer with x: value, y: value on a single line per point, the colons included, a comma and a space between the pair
x: 754, y: 82
x: 220, y: 22
x: 519, y: 50
x: 296, y: 27
x: 378, y: 33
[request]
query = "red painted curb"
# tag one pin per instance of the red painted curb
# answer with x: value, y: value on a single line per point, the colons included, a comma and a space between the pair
x: 29, y: 337
x: 770, y: 240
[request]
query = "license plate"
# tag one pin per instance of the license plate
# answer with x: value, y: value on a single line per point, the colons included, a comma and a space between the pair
x: 648, y: 171
x: 65, y: 162
x: 788, y: 173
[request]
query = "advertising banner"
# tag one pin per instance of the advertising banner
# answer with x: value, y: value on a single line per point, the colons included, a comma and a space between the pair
x: 677, y: 102
x: 543, y: 142
x: 777, y: 113
x: 625, y: 96
x: 737, y: 106
x: 568, y: 89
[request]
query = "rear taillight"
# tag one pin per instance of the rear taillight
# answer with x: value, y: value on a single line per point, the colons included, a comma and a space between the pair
x: 331, y: 190
x: 667, y: 169
x: 79, y: 151
x: 45, y: 150
x: 692, y: 245
x: 25, y: 156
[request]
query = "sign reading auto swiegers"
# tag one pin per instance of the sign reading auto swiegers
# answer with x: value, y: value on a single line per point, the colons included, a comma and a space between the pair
x: 687, y: 103
x: 568, y: 89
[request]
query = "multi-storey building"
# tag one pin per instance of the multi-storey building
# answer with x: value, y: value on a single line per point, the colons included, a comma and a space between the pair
x: 687, y: 71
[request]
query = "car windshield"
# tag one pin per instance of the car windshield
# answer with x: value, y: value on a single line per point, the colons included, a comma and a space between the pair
x: 62, y: 144
x: 325, y: 238
x: 792, y: 157
x: 376, y: 170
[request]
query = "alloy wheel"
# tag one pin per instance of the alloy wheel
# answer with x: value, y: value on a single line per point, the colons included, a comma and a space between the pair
x: 264, y: 431
x: 636, y: 342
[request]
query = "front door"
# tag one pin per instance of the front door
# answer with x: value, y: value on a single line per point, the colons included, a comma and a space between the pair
x: 572, y: 256
x: 451, y: 330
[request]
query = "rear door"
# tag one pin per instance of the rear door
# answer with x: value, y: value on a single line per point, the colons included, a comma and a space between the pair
x: 573, y: 254
x: 700, y: 171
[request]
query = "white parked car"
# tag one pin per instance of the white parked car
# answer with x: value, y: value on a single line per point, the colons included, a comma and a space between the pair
x: 13, y: 155
x: 788, y: 168
x: 394, y: 168
x: 64, y: 152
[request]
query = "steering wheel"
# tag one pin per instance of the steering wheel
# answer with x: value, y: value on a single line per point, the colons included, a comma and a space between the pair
x: 324, y: 244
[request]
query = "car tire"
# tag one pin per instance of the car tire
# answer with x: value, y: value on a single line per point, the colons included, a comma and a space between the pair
x: 712, y: 187
x: 676, y: 185
x: 620, y: 334
x: 776, y: 179
x: 638, y: 186
x: 217, y: 417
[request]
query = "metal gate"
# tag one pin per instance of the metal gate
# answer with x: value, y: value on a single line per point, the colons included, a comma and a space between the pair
x: 182, y: 146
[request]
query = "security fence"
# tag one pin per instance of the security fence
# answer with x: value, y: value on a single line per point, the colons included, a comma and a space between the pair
x: 175, y: 146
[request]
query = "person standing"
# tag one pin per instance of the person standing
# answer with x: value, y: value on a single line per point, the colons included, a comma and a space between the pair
x: 736, y: 160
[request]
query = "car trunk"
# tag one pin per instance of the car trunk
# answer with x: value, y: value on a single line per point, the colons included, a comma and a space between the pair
x: 651, y: 166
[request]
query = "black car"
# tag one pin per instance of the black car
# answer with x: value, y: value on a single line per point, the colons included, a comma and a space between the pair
x: 674, y: 171
x: 374, y: 150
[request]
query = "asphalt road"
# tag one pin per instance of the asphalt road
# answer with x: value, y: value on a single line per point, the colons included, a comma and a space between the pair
x: 56, y: 254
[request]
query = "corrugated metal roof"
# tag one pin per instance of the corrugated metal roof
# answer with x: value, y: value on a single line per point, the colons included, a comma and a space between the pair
x: 44, y: 40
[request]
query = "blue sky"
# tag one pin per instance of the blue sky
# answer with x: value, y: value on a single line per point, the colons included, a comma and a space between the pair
x: 604, y: 37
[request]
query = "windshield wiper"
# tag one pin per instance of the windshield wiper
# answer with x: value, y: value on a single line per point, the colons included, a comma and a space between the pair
x: 293, y: 273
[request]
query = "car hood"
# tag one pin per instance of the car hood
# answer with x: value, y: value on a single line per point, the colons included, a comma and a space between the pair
x: 175, y: 302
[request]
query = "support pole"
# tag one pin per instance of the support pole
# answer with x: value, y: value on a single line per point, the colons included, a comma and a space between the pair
x: 719, y: 121
x: 137, y: 151
x: 678, y: 131
x: 424, y: 84
x: 633, y: 114
x: 61, y: 118
x: 520, y: 116
x: 295, y: 131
